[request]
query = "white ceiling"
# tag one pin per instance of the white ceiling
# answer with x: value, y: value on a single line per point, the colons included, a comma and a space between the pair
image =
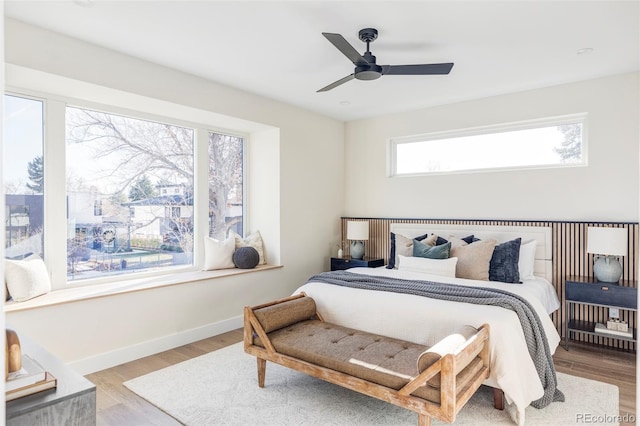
x: 275, y: 48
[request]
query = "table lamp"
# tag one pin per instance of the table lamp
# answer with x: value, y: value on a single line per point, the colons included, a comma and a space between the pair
x: 607, y: 244
x: 357, y: 233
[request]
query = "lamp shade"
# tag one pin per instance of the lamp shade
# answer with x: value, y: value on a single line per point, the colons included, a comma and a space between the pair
x: 607, y: 241
x: 358, y: 231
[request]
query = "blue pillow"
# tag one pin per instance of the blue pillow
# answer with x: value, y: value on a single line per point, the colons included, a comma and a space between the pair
x: 504, y: 262
x: 392, y: 252
x: 431, y: 252
x: 469, y: 239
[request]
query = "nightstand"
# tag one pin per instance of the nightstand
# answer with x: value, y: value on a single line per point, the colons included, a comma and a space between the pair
x: 589, y: 291
x: 340, y: 263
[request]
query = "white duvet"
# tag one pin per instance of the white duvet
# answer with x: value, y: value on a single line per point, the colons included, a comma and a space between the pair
x: 425, y: 321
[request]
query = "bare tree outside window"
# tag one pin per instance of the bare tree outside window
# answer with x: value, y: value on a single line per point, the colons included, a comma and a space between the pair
x: 225, y: 184
x: 123, y: 162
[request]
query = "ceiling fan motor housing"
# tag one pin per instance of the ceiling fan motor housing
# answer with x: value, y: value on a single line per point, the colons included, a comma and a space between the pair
x: 368, y: 72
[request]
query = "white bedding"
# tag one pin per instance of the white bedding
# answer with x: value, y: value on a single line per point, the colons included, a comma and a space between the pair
x: 425, y: 321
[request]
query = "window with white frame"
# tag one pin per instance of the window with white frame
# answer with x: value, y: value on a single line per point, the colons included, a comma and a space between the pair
x: 555, y: 142
x: 226, y: 154
x: 130, y: 181
x: 23, y: 176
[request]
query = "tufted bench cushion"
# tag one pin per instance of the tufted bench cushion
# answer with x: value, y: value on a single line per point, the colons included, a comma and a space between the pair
x: 383, y: 360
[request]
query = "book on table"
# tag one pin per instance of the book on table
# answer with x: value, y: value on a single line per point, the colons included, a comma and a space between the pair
x: 30, y: 373
x: 49, y: 382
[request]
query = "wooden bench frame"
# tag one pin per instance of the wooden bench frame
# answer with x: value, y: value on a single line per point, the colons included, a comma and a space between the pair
x: 451, y: 399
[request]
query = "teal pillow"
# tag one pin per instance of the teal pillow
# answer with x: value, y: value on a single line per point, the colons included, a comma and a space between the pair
x: 421, y: 249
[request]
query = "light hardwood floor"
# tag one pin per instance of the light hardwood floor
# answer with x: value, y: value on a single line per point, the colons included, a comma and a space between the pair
x: 118, y: 406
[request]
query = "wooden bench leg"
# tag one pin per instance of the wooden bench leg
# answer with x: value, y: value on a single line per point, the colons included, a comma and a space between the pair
x: 498, y: 399
x: 424, y: 420
x: 262, y: 368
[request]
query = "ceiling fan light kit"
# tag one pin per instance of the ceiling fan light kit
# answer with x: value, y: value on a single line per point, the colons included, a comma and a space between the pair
x: 366, y: 66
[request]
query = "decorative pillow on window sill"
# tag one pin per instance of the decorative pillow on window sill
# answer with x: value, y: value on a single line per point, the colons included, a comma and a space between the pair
x: 218, y: 254
x: 246, y: 258
x: 26, y: 279
x: 253, y: 240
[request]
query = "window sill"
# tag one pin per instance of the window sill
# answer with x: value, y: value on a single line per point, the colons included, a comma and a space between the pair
x: 77, y: 294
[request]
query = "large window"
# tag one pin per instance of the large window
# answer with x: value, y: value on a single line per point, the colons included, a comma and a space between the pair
x: 547, y: 143
x: 131, y: 180
x: 23, y: 174
x: 140, y: 174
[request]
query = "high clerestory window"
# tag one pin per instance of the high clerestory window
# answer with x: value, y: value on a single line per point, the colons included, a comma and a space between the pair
x: 554, y: 142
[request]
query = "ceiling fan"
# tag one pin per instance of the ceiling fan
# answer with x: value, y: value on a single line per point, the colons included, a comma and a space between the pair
x: 366, y: 67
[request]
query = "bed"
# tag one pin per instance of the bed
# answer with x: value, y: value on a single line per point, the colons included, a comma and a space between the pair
x: 425, y: 320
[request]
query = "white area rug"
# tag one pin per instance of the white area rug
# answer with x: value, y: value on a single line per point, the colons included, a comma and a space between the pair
x: 221, y: 388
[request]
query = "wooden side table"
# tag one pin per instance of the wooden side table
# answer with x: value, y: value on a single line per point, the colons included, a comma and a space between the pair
x: 341, y: 263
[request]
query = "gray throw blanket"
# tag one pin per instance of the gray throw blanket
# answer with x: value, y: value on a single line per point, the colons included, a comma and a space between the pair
x: 531, y: 326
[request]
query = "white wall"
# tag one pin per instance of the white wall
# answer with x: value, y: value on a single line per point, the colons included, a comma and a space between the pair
x: 296, y: 204
x: 606, y: 190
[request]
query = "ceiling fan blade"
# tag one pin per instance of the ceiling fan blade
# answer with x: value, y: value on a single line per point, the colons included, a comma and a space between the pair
x: 347, y: 50
x: 337, y: 83
x: 423, y: 69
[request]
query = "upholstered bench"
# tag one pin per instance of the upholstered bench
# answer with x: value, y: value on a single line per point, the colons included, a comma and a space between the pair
x: 432, y: 381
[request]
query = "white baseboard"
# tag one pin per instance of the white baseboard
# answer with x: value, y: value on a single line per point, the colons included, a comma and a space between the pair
x: 130, y: 353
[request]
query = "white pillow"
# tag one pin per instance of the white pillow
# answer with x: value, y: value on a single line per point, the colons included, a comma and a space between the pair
x: 254, y: 240
x: 441, y: 267
x: 218, y: 254
x: 27, y: 278
x: 527, y: 259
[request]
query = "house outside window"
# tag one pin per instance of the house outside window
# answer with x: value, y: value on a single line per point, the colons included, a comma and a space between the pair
x: 23, y: 176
